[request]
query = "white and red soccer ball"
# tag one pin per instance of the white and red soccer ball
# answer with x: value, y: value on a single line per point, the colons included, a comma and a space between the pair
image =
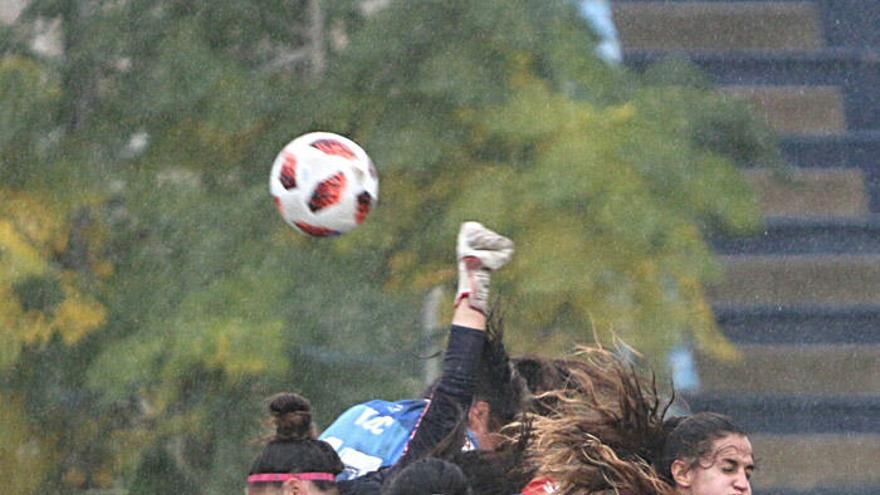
x: 324, y: 184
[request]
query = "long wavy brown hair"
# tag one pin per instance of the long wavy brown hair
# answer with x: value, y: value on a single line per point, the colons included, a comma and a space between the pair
x: 604, y: 428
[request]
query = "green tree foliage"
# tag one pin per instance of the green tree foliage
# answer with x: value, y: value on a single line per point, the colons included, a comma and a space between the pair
x: 28, y: 95
x: 211, y: 303
x: 25, y: 457
x: 607, y: 180
x: 152, y: 298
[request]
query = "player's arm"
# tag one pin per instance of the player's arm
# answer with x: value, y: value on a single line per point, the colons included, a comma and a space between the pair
x: 480, y: 253
x: 466, y: 316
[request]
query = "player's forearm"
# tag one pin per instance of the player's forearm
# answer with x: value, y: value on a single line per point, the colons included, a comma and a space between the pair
x: 466, y: 316
x: 460, y: 363
x: 453, y: 394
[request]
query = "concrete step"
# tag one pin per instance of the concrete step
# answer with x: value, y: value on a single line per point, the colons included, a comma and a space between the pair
x: 798, y: 280
x: 795, y: 414
x: 860, y: 149
x: 818, y: 370
x: 803, y: 325
x: 816, y: 464
x: 795, y: 109
x: 718, y: 25
x: 845, y: 23
x: 810, y: 193
x: 856, y: 71
x: 812, y: 235
x: 851, y: 23
x: 854, y: 149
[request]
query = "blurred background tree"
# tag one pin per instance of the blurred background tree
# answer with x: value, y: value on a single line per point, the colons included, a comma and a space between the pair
x: 152, y: 298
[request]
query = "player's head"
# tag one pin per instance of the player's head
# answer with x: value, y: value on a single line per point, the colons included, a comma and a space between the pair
x: 293, y: 461
x: 501, y: 471
x: 707, y: 454
x: 600, y: 429
x: 499, y: 392
x: 428, y: 476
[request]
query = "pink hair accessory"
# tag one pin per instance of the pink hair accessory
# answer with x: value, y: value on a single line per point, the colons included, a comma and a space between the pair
x: 282, y: 477
x: 315, y: 476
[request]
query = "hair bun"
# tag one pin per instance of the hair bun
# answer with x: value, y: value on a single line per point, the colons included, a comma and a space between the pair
x: 288, y: 402
x: 292, y: 416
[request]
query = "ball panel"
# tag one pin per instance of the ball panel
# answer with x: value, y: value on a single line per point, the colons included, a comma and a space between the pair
x: 315, y: 231
x: 334, y: 147
x: 364, y: 200
x: 328, y: 192
x: 288, y: 171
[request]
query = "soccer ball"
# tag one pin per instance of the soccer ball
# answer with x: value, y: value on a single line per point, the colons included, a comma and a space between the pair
x: 324, y: 184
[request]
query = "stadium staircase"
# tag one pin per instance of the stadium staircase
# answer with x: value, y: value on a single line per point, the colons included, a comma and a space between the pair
x: 801, y: 299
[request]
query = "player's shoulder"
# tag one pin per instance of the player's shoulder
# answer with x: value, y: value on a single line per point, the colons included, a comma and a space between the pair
x: 377, y: 415
x: 396, y: 407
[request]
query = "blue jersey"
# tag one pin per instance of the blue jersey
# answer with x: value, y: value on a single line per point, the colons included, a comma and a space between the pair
x: 373, y: 435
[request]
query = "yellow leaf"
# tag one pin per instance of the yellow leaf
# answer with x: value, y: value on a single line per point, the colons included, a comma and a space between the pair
x: 77, y: 316
x: 18, y: 258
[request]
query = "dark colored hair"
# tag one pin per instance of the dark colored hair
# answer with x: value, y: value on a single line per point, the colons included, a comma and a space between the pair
x: 501, y: 471
x: 497, y: 381
x: 690, y: 439
x: 291, y: 417
x: 293, y: 448
x: 428, y: 476
x: 545, y: 376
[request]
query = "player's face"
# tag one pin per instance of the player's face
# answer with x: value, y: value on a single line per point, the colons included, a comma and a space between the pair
x: 291, y: 487
x: 730, y: 470
x: 305, y: 487
x: 268, y: 489
x: 478, y: 424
